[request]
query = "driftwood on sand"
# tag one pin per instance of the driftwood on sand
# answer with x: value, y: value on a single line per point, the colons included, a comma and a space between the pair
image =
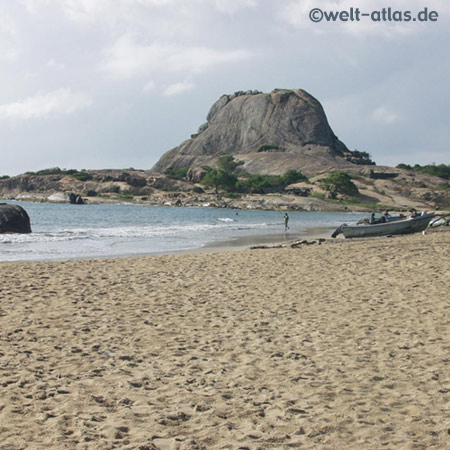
x: 292, y: 244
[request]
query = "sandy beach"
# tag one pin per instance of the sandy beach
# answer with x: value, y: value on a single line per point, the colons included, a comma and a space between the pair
x: 343, y: 345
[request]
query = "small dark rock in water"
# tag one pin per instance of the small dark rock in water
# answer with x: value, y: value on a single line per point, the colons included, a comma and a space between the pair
x: 76, y: 199
x: 14, y: 219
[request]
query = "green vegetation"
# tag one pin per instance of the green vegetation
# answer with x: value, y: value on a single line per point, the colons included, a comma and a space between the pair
x: 269, y: 148
x: 49, y: 171
x: 79, y: 175
x: 365, y: 157
x: 339, y: 183
x: 228, y: 164
x: 220, y: 179
x: 257, y: 184
x: 441, y: 170
x: 293, y: 176
x: 4, y: 177
x: 177, y: 174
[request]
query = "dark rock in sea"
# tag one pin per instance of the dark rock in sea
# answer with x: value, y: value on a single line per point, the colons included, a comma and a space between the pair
x: 269, y: 133
x: 76, y: 199
x: 14, y: 219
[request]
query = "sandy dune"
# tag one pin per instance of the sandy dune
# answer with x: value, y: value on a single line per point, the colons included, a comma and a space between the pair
x: 340, y: 346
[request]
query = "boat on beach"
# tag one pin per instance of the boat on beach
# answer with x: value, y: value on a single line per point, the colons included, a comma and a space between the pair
x: 400, y: 226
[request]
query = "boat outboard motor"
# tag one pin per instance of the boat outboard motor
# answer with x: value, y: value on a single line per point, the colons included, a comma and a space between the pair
x: 338, y: 230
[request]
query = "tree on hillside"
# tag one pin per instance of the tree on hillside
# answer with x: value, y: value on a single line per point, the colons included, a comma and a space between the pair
x: 441, y: 170
x: 259, y: 184
x: 339, y: 183
x: 177, y: 174
x: 292, y: 176
x: 220, y: 179
x: 364, y: 157
x: 228, y: 163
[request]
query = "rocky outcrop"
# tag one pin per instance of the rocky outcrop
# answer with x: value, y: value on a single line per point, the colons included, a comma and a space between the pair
x: 32, y: 186
x: 165, y: 183
x: 196, y: 174
x: 271, y: 133
x: 14, y: 186
x: 14, y: 219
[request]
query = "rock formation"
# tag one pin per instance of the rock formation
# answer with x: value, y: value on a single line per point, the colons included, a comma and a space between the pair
x: 270, y: 133
x: 14, y: 219
x: 66, y: 197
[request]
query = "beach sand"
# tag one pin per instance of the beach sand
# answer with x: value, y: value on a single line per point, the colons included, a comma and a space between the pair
x: 343, y: 345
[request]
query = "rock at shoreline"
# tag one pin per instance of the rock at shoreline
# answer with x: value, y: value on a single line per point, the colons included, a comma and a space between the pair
x: 66, y: 197
x: 14, y: 219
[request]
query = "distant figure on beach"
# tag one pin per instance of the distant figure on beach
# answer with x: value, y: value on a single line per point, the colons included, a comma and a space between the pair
x: 286, y: 222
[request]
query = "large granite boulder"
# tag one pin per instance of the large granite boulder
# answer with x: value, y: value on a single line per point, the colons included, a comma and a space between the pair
x: 196, y: 174
x: 270, y: 133
x: 14, y: 219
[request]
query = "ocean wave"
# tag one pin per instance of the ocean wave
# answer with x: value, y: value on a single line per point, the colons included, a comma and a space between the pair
x: 146, y: 231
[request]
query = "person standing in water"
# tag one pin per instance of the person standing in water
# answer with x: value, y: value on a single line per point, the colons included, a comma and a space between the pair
x: 286, y: 222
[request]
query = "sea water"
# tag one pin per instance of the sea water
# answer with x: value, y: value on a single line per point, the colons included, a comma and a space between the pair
x: 63, y: 231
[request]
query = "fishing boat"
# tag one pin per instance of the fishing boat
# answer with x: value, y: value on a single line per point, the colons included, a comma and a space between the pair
x: 440, y: 221
x: 403, y: 226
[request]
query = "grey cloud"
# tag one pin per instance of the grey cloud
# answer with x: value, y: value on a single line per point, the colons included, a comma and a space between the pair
x: 386, y: 93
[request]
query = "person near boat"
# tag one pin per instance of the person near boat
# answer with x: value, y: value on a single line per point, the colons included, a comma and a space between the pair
x: 373, y: 220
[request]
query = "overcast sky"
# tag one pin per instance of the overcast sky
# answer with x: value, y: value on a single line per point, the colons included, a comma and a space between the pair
x: 116, y: 83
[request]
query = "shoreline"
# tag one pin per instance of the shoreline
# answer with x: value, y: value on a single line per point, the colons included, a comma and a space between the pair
x: 227, y: 245
x: 239, y: 243
x: 251, y: 202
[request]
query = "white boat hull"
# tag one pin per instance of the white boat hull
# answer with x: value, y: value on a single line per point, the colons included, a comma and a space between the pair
x: 406, y: 226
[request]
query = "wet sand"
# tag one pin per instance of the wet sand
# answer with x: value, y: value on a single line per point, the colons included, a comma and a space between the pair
x: 333, y: 346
